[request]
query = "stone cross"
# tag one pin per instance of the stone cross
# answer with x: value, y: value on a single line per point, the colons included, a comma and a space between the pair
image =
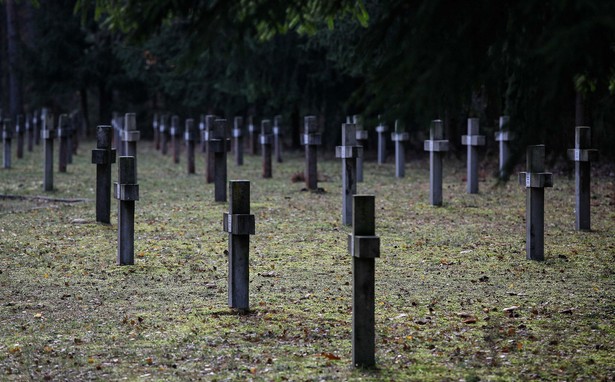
x: 164, y: 134
x: 266, y: 140
x: 364, y: 246
x: 437, y: 146
x: 63, y: 132
x: 210, y: 155
x: 399, y: 137
x: 175, y: 137
x: 126, y: 192
x: 47, y: 135
x: 29, y: 132
x: 535, y: 179
x: 156, y: 132
x: 253, y: 136
x: 238, y: 140
x: 349, y: 151
x: 103, y: 156
x: 20, y: 130
x: 311, y: 139
x: 130, y: 136
x: 582, y: 156
x: 71, y: 139
x: 7, y: 137
x: 362, y: 137
x: 218, y: 145
x: 35, y: 127
x: 202, y: 133
x: 239, y: 224
x: 277, y: 138
x: 503, y: 136
x: 472, y: 140
x: 190, y: 140
x: 115, y: 122
x: 381, y: 129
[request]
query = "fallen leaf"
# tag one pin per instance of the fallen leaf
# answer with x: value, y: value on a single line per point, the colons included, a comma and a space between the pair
x: 330, y: 356
x: 471, y: 320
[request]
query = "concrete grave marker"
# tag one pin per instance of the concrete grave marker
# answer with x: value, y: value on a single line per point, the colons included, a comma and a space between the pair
x: 71, y: 139
x: 20, y: 131
x: 535, y: 179
x: 117, y: 132
x: 399, y: 136
x: 238, y: 140
x: 349, y: 151
x: 437, y: 146
x: 503, y: 136
x: 7, y: 138
x: 103, y: 156
x: 253, y: 135
x: 210, y: 154
x: 472, y: 140
x: 582, y: 156
x: 266, y: 140
x: 364, y: 246
x: 29, y: 132
x: 175, y: 133
x: 239, y: 224
x: 156, y: 131
x: 36, y: 123
x: 362, y: 136
x: 63, y: 132
x: 218, y: 146
x: 164, y: 134
x: 311, y: 139
x: 47, y: 135
x: 277, y: 137
x: 381, y: 129
x: 190, y: 140
x: 126, y: 192
x: 202, y: 133
x: 130, y: 136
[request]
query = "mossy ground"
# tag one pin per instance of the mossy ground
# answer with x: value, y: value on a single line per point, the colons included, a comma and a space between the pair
x: 67, y: 312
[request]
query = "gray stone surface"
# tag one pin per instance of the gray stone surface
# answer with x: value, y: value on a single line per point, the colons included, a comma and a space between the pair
x: 266, y: 141
x: 311, y: 139
x: 503, y: 136
x: 253, y: 136
x: 472, y: 140
x: 277, y: 138
x: 399, y: 136
x: 535, y: 179
x: 349, y: 151
x: 238, y: 140
x: 362, y: 136
x: 190, y: 141
x: 381, y: 130
x: 239, y: 224
x: 103, y: 156
x: 582, y: 156
x: 437, y: 146
x: 219, y: 145
x: 63, y: 132
x: 176, y: 133
x: 209, y: 152
x: 47, y: 135
x: 130, y: 136
x: 20, y: 132
x: 126, y: 192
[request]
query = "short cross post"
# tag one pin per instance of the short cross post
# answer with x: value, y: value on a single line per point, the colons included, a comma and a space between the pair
x: 362, y: 137
x: 63, y: 132
x: 238, y: 140
x: 503, y: 136
x: 399, y: 136
x: 126, y: 192
x: 7, y: 137
x: 164, y: 134
x: 29, y: 132
x: 277, y: 137
x: 437, y: 146
x: 71, y: 138
x: 117, y: 128
x: 472, y: 140
x: 36, y: 127
x: 156, y: 131
x: 535, y: 179
x: 219, y: 145
x: 47, y: 135
x: 190, y: 140
x: 201, y: 133
x: 582, y: 156
x: 382, y: 144
x: 239, y: 224
x: 253, y: 134
x: 311, y: 139
x: 20, y: 130
x: 266, y: 140
x: 349, y: 151
x: 210, y: 154
x: 364, y: 246
x: 130, y: 136
x: 103, y: 156
x: 175, y: 138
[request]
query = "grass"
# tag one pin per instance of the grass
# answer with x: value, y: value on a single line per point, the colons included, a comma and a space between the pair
x: 445, y: 276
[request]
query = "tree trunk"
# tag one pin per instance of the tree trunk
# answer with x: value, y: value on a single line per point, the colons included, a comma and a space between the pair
x: 15, y: 99
x: 105, y: 98
x: 579, y: 109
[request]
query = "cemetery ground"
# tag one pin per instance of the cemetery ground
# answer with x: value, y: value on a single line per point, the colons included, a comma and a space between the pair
x: 455, y: 297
